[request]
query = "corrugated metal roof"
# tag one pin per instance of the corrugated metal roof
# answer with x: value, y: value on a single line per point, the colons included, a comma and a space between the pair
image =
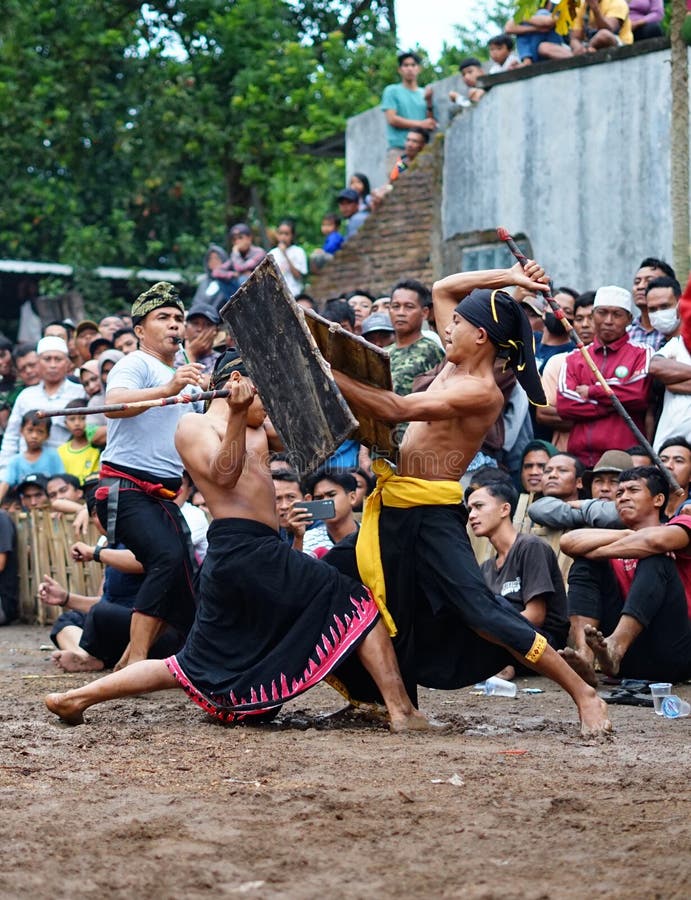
x: 30, y: 267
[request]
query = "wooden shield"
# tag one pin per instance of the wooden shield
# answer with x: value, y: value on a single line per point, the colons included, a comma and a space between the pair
x: 296, y: 386
x: 353, y: 355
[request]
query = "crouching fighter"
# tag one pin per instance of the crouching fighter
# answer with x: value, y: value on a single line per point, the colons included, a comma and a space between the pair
x: 271, y: 622
x: 413, y: 549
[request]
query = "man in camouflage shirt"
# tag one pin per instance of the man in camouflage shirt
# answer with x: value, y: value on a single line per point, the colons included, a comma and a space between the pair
x: 412, y: 354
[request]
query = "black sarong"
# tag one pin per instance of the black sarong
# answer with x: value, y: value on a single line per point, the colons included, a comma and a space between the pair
x: 271, y: 622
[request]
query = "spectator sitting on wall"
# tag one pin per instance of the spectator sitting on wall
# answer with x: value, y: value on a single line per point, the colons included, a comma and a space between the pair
x: 360, y: 182
x: 471, y: 71
x: 361, y: 303
x: 415, y: 141
x: 501, y: 53
x: 405, y: 106
x: 290, y: 259
x: 244, y: 255
x: 349, y: 207
x: 537, y: 38
x: 642, y: 330
x: 330, y: 228
x: 210, y: 289
x: 646, y: 16
x: 600, y: 24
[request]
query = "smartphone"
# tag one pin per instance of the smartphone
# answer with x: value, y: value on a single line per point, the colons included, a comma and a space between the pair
x: 319, y: 509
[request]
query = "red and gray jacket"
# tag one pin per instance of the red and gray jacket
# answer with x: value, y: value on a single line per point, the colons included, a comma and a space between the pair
x: 596, y: 424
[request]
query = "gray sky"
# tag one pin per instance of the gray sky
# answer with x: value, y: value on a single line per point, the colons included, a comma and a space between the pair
x: 430, y: 23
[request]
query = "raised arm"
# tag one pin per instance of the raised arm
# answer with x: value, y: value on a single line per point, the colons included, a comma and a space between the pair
x: 448, y: 292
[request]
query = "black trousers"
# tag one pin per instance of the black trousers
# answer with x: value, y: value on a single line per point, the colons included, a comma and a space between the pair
x: 662, y: 651
x: 107, y: 634
x: 155, y: 531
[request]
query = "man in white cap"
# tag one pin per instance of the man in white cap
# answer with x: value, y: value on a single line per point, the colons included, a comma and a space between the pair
x: 582, y: 400
x: 53, y: 391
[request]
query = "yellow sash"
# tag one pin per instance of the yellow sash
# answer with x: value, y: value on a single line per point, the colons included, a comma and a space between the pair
x: 403, y: 493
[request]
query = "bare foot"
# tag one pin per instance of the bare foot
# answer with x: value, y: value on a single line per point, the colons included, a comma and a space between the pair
x: 70, y: 711
x: 73, y: 661
x: 580, y: 665
x: 592, y: 711
x: 123, y: 661
x: 604, y: 649
x: 508, y: 673
x: 416, y: 721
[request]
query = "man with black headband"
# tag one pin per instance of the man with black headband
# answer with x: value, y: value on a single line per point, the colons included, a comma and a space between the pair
x: 413, y: 549
x: 141, y: 470
x: 271, y: 622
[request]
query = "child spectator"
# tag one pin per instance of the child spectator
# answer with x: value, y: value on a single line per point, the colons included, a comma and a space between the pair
x: 36, y: 459
x: 502, y: 55
x: 537, y: 38
x: 333, y: 239
x: 360, y: 183
x: 78, y: 457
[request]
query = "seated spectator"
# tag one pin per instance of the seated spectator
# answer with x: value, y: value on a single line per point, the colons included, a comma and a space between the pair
x: 360, y: 183
x: 244, y: 256
x: 125, y: 340
x: 378, y: 330
x: 547, y: 416
x: 209, y: 290
x: 31, y: 493
x: 600, y: 24
x: 536, y: 455
x: 471, y: 71
x: 642, y: 330
x: 79, y: 457
x: 37, y: 459
x: 537, y: 38
x: 349, y: 208
x: 501, y: 53
x: 596, y: 426
x: 361, y: 303
x: 525, y: 571
x: 598, y: 510
x: 295, y: 525
x: 338, y: 310
x: 341, y: 487
x: 201, y: 327
x: 627, y: 602
x: 65, y: 493
x: 290, y: 259
x: 330, y: 228
x: 646, y: 16
x: 9, y: 579
x: 675, y: 456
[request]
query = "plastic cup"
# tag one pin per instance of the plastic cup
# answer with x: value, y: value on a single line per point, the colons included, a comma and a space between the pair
x: 674, y: 707
x: 498, y: 687
x: 659, y: 690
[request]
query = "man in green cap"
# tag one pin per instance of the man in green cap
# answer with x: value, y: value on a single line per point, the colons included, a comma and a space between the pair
x: 141, y: 470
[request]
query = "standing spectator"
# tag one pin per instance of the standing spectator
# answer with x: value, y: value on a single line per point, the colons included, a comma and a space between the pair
x: 90, y: 378
x: 36, y: 459
x: 536, y: 455
x: 201, y: 327
x: 26, y: 363
x: 9, y: 579
x: 85, y: 332
x: 349, y: 207
x: 406, y: 106
x: 378, y: 330
x: 646, y: 16
x: 562, y: 477
x: 501, y: 53
x: 596, y: 424
x: 53, y: 391
x: 599, y: 24
x: 361, y: 303
x: 642, y: 330
x: 412, y: 354
x: 675, y: 456
x: 125, y: 340
x: 537, y: 38
x: 471, y: 71
x: 78, y: 457
x: 108, y: 326
x: 10, y: 386
x: 671, y: 365
x: 290, y: 259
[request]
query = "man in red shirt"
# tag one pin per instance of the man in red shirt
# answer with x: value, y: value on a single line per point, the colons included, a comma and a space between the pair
x: 596, y: 424
x: 628, y: 586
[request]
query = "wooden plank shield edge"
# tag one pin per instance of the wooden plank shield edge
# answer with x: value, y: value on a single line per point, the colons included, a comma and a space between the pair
x: 294, y: 381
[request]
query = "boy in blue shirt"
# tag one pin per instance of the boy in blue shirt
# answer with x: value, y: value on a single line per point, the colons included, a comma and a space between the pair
x: 36, y: 459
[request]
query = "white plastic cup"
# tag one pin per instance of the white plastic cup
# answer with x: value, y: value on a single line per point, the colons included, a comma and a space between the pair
x: 498, y: 687
x: 659, y: 690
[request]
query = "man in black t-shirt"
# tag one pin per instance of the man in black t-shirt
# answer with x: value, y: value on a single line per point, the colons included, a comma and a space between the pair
x: 8, y: 570
x: 525, y: 570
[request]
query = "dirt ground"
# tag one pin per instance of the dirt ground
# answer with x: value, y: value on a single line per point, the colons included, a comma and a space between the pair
x: 151, y: 799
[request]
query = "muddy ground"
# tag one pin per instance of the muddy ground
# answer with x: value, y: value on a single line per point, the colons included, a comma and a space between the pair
x: 151, y: 799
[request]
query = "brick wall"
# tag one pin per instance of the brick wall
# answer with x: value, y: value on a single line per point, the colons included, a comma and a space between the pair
x: 400, y: 240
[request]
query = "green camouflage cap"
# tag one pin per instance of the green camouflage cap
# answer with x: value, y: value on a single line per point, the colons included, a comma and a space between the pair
x: 163, y: 293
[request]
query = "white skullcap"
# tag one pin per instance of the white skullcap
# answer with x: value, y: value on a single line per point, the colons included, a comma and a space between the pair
x: 611, y: 295
x: 52, y: 345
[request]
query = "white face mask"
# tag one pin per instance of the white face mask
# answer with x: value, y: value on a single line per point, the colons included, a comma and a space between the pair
x: 665, y: 321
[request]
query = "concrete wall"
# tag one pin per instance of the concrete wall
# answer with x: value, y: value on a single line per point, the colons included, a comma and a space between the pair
x: 575, y: 157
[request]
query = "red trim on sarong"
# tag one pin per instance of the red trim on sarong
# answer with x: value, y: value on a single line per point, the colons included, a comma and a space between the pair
x: 148, y: 487
x: 344, y: 634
